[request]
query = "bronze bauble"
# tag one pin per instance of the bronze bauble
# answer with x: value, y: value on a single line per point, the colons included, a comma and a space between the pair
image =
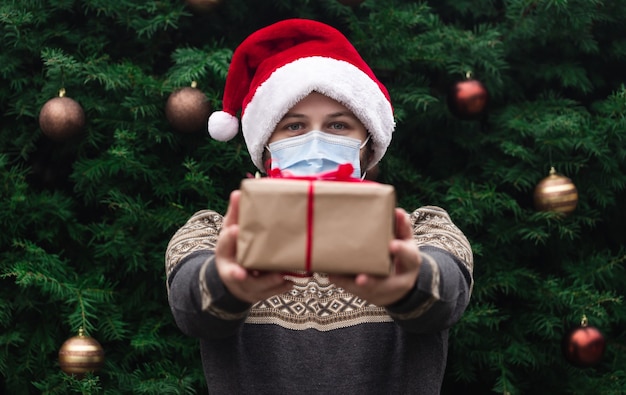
x: 61, y: 118
x: 468, y: 99
x: 188, y: 110
x: 584, y: 346
x: 556, y: 193
x: 203, y: 5
x: 81, y: 354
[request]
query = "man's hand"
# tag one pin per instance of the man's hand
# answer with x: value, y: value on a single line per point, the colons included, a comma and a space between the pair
x: 247, y: 286
x: 384, y: 291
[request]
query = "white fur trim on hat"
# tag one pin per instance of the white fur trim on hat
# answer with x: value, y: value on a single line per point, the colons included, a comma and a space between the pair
x: 337, y: 79
x: 223, y: 126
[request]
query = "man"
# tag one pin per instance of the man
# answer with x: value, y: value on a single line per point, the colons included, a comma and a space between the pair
x: 309, y: 102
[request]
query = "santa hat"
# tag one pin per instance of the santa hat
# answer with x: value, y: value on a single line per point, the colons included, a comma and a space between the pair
x: 279, y: 65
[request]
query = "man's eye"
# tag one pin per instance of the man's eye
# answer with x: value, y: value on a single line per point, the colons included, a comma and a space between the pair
x: 337, y: 126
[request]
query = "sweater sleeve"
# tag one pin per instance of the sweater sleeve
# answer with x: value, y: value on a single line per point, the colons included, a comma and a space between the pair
x: 201, y: 305
x: 445, y: 281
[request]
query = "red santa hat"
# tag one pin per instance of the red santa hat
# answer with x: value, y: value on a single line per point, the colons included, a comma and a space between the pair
x: 279, y: 65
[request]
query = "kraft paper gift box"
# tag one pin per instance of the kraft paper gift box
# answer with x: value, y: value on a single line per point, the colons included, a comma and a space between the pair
x: 294, y: 225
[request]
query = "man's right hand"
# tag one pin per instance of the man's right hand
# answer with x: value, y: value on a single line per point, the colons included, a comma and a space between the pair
x: 246, y: 285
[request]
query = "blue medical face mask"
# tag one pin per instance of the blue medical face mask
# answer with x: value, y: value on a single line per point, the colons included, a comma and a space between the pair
x: 316, y: 152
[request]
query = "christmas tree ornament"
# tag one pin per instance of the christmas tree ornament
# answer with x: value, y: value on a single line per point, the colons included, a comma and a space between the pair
x: 556, y: 193
x: 468, y: 99
x: 61, y: 117
x: 584, y: 345
x: 202, y: 5
x: 81, y: 354
x: 187, y: 109
x: 351, y: 2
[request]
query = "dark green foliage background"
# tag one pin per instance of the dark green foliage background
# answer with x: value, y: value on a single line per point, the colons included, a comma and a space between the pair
x: 85, y: 222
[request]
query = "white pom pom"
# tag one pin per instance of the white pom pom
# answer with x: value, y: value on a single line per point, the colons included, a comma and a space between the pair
x: 223, y: 126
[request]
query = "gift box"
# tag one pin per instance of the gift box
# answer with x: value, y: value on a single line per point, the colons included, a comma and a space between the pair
x: 295, y: 225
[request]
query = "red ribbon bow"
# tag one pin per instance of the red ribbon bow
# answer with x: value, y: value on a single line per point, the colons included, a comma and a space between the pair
x: 343, y: 173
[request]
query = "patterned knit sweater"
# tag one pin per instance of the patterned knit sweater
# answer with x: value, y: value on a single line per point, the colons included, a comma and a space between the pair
x: 318, y: 338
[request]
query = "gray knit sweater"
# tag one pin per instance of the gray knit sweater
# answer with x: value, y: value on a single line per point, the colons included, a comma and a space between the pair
x: 317, y: 338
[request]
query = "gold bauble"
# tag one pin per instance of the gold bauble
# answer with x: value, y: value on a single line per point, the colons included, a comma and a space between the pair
x: 61, y: 118
x: 81, y: 354
x: 202, y: 5
x: 556, y: 193
x: 188, y: 110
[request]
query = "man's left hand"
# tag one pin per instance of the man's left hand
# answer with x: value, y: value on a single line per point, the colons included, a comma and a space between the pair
x: 385, y: 291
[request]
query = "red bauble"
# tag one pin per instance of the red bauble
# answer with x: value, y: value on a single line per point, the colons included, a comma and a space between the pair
x: 584, y: 346
x: 468, y: 99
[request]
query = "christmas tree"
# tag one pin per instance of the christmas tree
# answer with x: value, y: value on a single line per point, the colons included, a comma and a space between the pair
x: 93, y: 189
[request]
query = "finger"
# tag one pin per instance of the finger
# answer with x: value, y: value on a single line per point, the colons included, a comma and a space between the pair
x: 405, y: 255
x: 238, y: 273
x: 226, y: 247
x: 363, y: 280
x: 275, y: 282
x: 267, y: 285
x: 232, y: 213
x: 403, y: 225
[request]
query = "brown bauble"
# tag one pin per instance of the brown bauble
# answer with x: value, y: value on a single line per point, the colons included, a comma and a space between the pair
x: 351, y: 2
x: 584, y: 346
x: 468, y: 99
x: 81, y: 354
x: 202, y: 5
x: 187, y: 110
x: 556, y: 193
x: 61, y: 118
